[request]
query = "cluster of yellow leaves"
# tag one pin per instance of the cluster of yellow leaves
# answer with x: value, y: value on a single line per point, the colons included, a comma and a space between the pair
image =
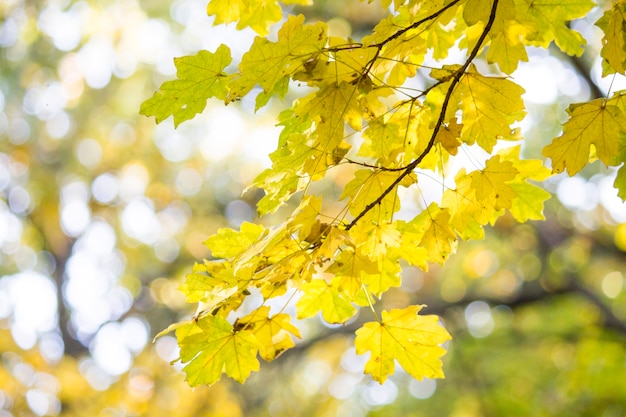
x: 255, y: 14
x: 597, y: 129
x: 361, y: 111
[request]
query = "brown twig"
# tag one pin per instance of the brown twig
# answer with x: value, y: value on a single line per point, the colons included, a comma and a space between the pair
x: 456, y: 78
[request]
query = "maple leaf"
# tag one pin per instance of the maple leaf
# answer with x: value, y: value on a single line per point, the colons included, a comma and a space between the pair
x: 256, y: 14
x: 207, y: 279
x: 200, y: 77
x: 213, y: 348
x: 410, y: 250
x: 467, y: 213
x: 528, y: 202
x: 438, y: 238
x: 404, y: 336
x: 228, y: 242
x: 367, y: 185
x: 489, y: 105
x: 225, y: 11
x: 335, y: 239
x: 272, y: 333
x: 305, y: 217
x: 547, y: 21
x: 400, y: 135
x: 268, y: 63
x: 319, y: 295
x: 506, y: 48
x: 491, y: 185
x: 337, y: 66
x: 375, y: 238
x: 330, y: 109
x: 349, y: 268
x: 387, y: 276
x: 362, y: 94
x: 613, y: 24
x: 594, y: 123
x: 449, y: 136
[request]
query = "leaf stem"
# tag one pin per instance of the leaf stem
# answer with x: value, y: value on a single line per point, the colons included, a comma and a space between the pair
x: 369, y: 302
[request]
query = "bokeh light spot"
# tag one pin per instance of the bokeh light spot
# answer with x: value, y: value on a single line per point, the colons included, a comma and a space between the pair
x: 612, y: 284
x: 423, y: 389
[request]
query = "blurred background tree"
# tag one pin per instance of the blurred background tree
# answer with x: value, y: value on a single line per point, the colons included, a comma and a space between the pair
x: 102, y: 212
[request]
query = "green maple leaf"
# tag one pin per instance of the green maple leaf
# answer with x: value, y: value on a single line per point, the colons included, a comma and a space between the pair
x: 213, y: 348
x: 403, y: 335
x: 200, y: 77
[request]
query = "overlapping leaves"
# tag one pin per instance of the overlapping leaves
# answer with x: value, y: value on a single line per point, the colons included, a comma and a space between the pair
x: 361, y: 119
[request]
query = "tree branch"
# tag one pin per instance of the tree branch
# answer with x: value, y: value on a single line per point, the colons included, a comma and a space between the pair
x: 456, y: 78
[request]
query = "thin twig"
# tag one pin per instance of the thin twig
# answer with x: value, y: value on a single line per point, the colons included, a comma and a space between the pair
x: 455, y: 80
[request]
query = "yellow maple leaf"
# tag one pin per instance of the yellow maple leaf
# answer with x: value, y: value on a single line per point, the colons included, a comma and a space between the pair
x: 491, y: 183
x: 349, y: 267
x: 227, y: 243
x: 387, y: 276
x: 410, y: 249
x: 439, y: 239
x: 305, y: 217
x: 489, y: 105
x: 335, y: 239
x: 506, y: 48
x: 594, y: 123
x: 548, y: 21
x: 467, y: 213
x: 344, y: 64
x: 213, y: 347
x: 270, y: 63
x: 225, y: 11
x: 367, y: 186
x: 449, y: 136
x: 613, y: 24
x: 272, y: 333
x: 375, y: 239
x: 529, y: 199
x: 259, y: 15
x: 403, y: 335
x: 330, y: 108
x: 319, y: 295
